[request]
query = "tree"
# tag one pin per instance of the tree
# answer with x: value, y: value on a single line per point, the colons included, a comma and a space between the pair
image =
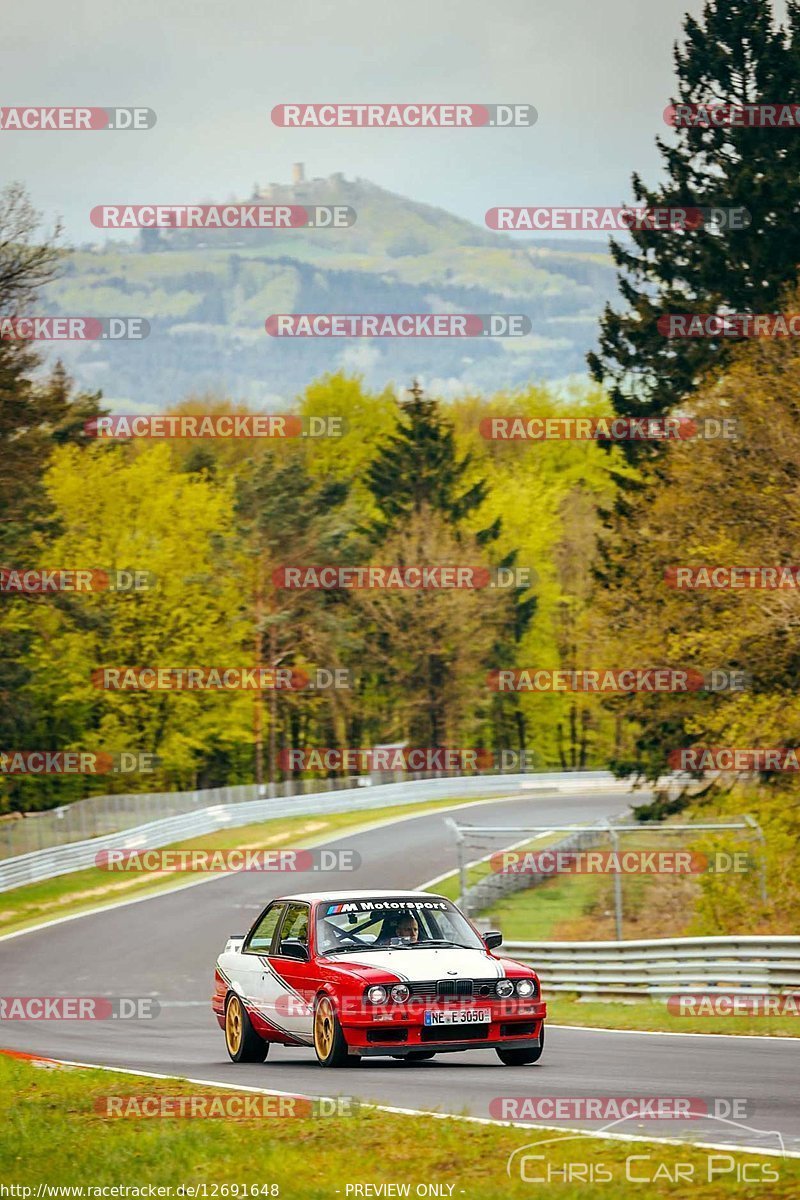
x: 425, y: 654
x: 418, y: 468
x: 546, y: 496
x: 116, y: 508
x: 730, y: 502
x: 36, y: 415
x: 430, y: 500
x: 27, y: 260
x: 732, y: 55
x: 288, y: 517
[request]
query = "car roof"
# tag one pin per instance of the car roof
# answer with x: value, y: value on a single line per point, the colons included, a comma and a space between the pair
x: 364, y: 893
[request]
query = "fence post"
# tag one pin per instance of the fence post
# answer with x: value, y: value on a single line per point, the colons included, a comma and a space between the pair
x: 762, y: 841
x: 617, y: 884
x: 463, y: 899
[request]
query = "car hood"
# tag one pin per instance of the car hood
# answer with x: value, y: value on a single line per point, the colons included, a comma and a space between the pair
x: 428, y: 962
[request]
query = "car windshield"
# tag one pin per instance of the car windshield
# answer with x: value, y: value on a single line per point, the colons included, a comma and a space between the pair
x: 392, y: 924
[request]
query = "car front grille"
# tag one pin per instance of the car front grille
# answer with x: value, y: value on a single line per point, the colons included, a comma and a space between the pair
x: 452, y: 988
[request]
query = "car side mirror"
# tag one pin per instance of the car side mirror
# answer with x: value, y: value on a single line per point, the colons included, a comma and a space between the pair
x: 293, y: 948
x: 492, y: 938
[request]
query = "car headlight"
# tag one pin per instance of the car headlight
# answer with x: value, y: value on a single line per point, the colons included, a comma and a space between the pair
x: 400, y: 993
x: 377, y: 994
x: 526, y: 987
x: 504, y: 988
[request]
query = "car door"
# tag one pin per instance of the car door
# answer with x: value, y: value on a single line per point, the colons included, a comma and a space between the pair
x: 257, y: 984
x: 295, y: 983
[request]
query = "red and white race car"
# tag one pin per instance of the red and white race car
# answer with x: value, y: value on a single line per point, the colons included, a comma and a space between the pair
x: 356, y: 974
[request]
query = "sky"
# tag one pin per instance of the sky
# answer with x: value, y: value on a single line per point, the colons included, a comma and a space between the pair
x: 599, y: 73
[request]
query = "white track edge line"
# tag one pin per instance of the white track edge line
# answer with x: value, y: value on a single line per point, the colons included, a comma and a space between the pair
x: 423, y: 1112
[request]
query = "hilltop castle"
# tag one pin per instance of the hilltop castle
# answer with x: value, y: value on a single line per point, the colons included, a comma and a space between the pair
x: 318, y: 190
x: 300, y: 188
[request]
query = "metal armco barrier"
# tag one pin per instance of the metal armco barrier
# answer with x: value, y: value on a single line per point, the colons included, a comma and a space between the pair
x: 664, y: 966
x: 77, y: 856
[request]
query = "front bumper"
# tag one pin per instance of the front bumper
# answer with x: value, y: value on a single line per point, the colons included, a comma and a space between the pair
x: 447, y: 1047
x: 403, y: 1031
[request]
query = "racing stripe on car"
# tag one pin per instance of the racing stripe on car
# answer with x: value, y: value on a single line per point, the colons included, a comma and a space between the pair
x: 283, y: 982
x: 253, y: 1008
x: 292, y: 1038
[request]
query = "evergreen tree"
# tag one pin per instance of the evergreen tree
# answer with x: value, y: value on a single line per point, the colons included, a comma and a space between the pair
x: 733, y: 55
x: 36, y: 416
x: 419, y: 480
x: 418, y: 468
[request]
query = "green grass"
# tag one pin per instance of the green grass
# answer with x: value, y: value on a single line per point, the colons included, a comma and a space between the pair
x: 52, y: 1134
x: 82, y: 890
x: 534, y: 914
x: 564, y: 1009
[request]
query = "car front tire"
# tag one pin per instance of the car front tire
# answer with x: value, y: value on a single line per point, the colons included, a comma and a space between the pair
x: 242, y: 1041
x: 330, y: 1044
x: 521, y: 1058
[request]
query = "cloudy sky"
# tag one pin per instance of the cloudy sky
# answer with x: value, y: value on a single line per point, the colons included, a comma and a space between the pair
x: 599, y: 75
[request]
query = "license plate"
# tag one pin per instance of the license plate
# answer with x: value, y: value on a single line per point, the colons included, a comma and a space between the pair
x: 458, y: 1016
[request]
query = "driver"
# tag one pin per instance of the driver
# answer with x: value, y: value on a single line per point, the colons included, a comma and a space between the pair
x: 402, y: 925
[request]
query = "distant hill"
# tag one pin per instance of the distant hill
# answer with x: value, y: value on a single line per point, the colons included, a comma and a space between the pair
x: 208, y: 293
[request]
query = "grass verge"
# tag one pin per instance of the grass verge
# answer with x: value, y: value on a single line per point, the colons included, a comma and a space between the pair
x: 54, y: 1135
x: 563, y: 1009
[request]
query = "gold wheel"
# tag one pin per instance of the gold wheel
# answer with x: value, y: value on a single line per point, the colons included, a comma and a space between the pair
x: 233, y: 1025
x: 324, y: 1019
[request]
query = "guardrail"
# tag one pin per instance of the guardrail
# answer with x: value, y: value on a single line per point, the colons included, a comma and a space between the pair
x: 76, y: 856
x: 664, y: 966
x: 97, y: 815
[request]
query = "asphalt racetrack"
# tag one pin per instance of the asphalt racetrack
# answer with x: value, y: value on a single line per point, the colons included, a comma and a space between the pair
x: 165, y: 947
